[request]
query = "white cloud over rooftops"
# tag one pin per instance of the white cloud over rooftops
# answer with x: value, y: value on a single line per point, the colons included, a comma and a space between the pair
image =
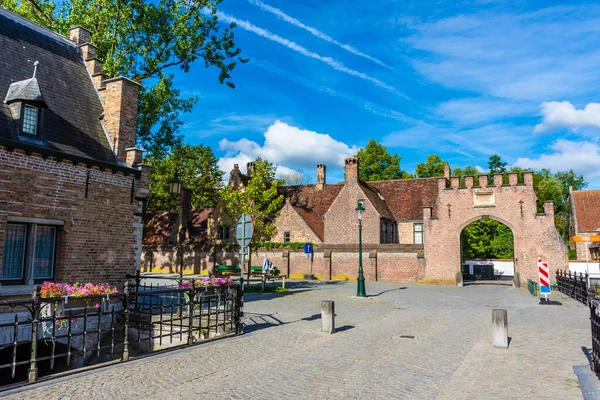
x: 563, y: 115
x: 288, y: 147
x: 581, y: 156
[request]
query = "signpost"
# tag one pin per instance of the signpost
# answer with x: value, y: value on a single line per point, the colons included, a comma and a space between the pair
x: 544, y: 275
x: 586, y: 240
x: 308, y: 249
x: 243, y: 236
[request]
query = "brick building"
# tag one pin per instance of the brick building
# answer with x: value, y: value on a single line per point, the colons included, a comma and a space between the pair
x: 411, y: 227
x: 584, y: 220
x: 72, y: 179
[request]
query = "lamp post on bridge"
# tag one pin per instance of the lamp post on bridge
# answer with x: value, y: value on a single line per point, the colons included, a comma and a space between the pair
x: 360, y: 288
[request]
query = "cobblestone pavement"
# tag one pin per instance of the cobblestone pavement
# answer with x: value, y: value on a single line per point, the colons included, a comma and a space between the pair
x: 284, y: 355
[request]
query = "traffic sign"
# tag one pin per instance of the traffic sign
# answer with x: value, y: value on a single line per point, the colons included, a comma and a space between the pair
x: 582, y: 238
x: 544, y: 275
x: 244, y: 230
x: 308, y: 248
x: 243, y: 235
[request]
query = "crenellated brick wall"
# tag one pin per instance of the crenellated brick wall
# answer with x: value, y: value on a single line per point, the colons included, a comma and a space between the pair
x: 513, y: 204
x: 100, y: 234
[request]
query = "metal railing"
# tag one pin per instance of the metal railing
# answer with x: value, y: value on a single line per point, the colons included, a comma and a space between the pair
x: 573, y: 285
x: 43, y: 336
x: 595, y: 325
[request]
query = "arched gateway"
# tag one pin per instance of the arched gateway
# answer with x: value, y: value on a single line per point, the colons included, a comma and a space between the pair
x: 513, y: 204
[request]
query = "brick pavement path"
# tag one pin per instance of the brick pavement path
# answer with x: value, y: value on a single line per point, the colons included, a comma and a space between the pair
x: 284, y: 355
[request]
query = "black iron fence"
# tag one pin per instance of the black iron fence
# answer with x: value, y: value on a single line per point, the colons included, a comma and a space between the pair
x: 573, y: 285
x: 44, y: 336
x: 595, y: 325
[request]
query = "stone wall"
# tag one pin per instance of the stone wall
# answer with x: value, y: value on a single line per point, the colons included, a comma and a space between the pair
x: 99, y: 236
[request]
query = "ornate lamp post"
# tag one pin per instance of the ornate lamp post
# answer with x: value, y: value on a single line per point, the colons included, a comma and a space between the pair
x: 360, y: 289
x: 175, y: 191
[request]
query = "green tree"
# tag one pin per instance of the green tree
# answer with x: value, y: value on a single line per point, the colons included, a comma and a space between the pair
x: 485, y: 239
x: 197, y: 169
x: 376, y: 164
x: 434, y: 166
x: 144, y: 40
x: 496, y: 165
x: 260, y: 199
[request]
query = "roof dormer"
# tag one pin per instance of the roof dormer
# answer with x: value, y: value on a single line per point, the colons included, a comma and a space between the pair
x: 25, y: 100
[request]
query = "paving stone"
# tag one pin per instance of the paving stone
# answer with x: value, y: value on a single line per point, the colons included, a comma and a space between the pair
x: 284, y: 354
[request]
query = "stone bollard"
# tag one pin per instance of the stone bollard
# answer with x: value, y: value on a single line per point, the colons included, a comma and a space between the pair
x: 327, y: 316
x: 500, y: 328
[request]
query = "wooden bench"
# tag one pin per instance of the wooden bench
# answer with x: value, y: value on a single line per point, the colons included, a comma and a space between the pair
x: 227, y: 269
x: 256, y: 270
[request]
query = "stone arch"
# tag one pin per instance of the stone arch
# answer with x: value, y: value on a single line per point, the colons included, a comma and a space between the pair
x: 494, y: 218
x: 513, y: 205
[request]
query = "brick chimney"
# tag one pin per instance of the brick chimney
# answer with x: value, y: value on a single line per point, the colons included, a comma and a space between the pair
x: 119, y: 96
x: 250, y: 169
x: 79, y: 35
x: 120, y: 113
x: 321, y: 176
x: 351, y: 169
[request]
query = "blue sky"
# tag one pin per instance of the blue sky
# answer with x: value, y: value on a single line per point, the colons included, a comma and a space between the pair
x: 463, y: 79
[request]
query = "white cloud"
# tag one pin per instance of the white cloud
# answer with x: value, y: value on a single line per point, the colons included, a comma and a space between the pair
x: 582, y: 157
x: 314, y: 32
x: 304, y: 51
x: 288, y: 147
x: 563, y: 115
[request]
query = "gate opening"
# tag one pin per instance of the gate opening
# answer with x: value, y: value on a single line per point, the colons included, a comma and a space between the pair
x: 487, y: 252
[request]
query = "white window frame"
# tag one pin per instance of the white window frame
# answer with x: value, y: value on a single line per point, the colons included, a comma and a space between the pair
x: 421, y: 232
x: 36, y: 121
x: 287, y: 237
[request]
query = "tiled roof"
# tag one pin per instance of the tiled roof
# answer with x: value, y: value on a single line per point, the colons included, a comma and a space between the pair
x: 313, y: 220
x: 407, y: 197
x: 160, y: 224
x: 71, y: 122
x: 377, y: 199
x: 587, y: 209
x: 28, y: 90
x: 311, y: 203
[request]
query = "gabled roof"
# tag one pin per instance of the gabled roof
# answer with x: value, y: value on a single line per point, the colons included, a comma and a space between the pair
x: 313, y: 220
x: 587, y: 210
x: 407, y: 197
x: 311, y: 203
x: 377, y: 200
x: 71, y: 121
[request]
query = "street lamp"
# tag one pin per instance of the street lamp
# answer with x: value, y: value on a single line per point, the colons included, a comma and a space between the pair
x: 360, y: 289
x: 175, y: 191
x: 175, y: 186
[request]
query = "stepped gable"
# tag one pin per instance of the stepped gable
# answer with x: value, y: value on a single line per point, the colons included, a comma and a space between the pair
x: 587, y: 210
x: 407, y: 197
x: 377, y: 199
x: 71, y: 122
